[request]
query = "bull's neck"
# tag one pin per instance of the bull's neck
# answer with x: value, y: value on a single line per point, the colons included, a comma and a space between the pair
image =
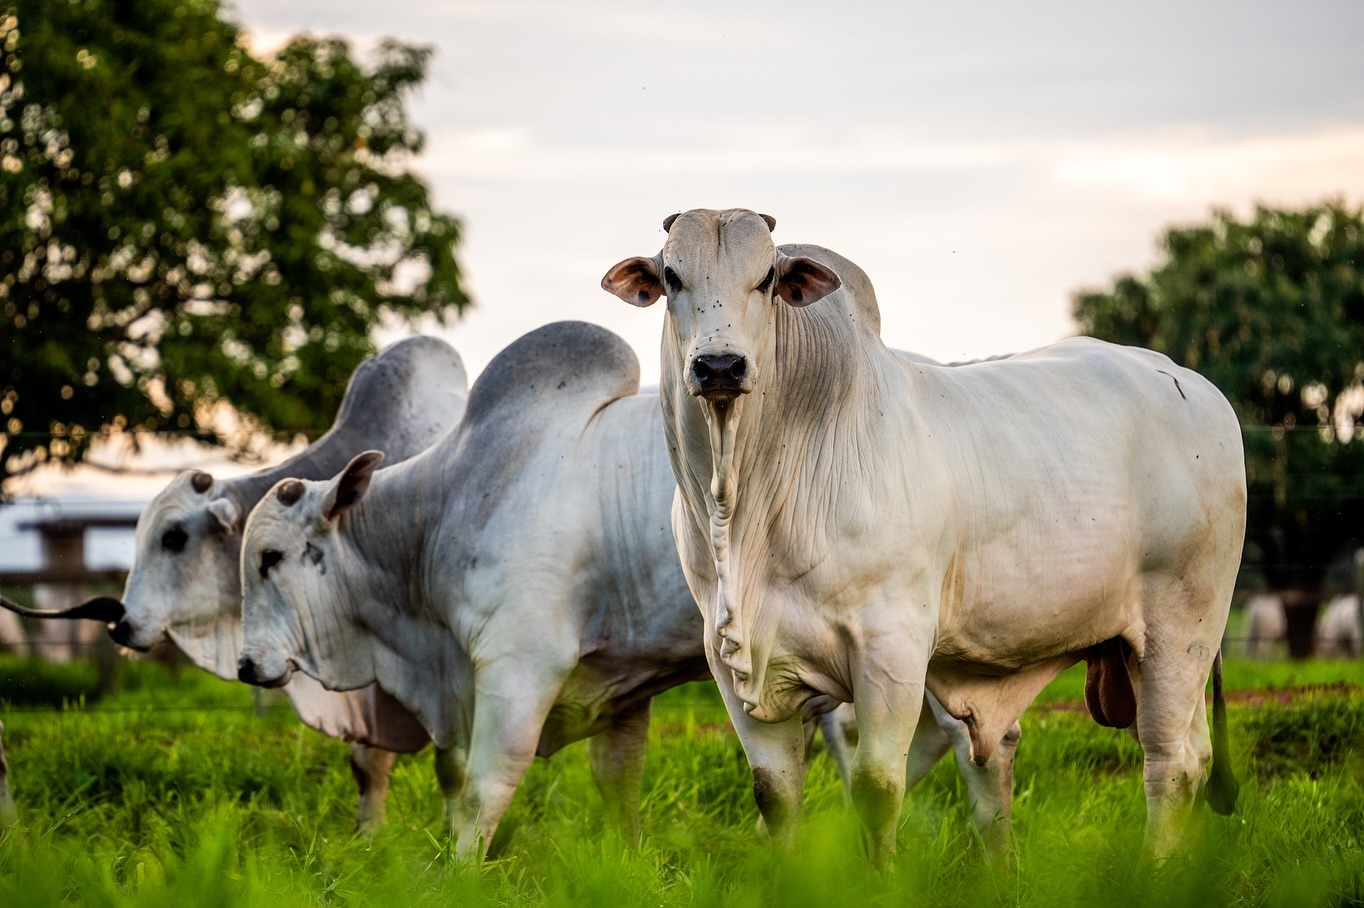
x: 771, y: 472
x: 386, y: 543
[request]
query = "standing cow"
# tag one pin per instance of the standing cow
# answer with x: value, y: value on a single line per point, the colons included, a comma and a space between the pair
x: 1340, y: 631
x: 862, y: 527
x: 517, y: 586
x: 1266, y: 625
x: 185, y: 582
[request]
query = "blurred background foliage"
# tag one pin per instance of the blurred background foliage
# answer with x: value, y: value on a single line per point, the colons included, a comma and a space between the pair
x: 1272, y: 311
x: 194, y: 238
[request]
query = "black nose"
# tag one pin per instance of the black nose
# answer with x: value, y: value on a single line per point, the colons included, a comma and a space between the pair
x: 121, y: 633
x: 246, y: 670
x: 720, y: 375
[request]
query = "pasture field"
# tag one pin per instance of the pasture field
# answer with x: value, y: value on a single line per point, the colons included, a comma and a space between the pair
x: 179, y: 791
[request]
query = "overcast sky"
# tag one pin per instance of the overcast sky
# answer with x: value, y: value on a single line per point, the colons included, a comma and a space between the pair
x: 981, y: 161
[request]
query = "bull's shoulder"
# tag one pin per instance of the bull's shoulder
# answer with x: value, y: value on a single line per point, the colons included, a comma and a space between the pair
x: 561, y: 369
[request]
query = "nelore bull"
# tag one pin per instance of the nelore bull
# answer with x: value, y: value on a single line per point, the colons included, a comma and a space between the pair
x: 185, y: 582
x: 516, y: 587
x: 858, y: 526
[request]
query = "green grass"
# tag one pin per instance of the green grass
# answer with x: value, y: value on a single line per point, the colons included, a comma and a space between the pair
x: 176, y: 791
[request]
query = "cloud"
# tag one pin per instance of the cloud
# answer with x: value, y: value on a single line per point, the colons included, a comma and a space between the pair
x: 1181, y: 165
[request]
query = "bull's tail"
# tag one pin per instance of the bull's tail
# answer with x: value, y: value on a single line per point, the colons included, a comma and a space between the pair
x: 1222, y: 785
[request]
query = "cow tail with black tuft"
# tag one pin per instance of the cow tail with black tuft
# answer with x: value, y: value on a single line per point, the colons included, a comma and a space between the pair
x: 1222, y: 785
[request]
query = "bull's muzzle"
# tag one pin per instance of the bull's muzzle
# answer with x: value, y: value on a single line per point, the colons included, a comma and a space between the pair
x: 720, y: 376
x: 122, y: 634
x: 249, y: 672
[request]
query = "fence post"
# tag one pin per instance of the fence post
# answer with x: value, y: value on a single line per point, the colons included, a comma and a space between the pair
x: 63, y: 543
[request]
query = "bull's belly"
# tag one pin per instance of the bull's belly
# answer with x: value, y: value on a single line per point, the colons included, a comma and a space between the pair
x: 593, y: 698
x: 998, y: 637
x: 1030, y: 596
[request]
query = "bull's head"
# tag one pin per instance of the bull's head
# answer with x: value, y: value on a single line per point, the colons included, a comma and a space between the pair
x: 295, y: 610
x: 722, y: 276
x: 184, y: 574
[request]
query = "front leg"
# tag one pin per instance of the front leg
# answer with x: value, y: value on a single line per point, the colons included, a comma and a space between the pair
x: 776, y: 756
x: 617, y: 759
x: 511, y: 702
x: 371, y: 768
x: 889, y: 696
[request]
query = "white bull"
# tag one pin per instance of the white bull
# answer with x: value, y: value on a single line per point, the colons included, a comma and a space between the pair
x: 1266, y: 625
x: 1340, y: 630
x: 516, y: 587
x: 185, y: 581
x: 858, y: 526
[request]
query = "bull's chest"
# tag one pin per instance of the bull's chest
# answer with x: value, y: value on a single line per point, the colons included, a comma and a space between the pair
x: 802, y: 656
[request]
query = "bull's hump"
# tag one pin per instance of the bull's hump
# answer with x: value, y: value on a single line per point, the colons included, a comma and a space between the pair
x: 564, y: 364
x: 405, y: 396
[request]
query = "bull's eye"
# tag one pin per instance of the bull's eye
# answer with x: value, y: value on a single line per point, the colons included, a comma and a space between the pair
x: 766, y: 284
x: 268, y: 559
x: 174, y: 539
x: 674, y: 282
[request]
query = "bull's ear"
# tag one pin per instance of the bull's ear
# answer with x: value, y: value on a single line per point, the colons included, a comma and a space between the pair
x: 802, y: 281
x: 350, y: 486
x: 637, y: 281
x: 226, y: 513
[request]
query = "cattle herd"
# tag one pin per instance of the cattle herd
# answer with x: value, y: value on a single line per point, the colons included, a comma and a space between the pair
x: 799, y: 512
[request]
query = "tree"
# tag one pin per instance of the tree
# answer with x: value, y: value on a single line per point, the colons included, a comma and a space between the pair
x: 188, y: 229
x: 1272, y: 311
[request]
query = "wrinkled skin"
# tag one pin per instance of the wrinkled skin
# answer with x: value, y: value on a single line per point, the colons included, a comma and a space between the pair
x: 185, y: 581
x: 517, y: 586
x: 862, y: 527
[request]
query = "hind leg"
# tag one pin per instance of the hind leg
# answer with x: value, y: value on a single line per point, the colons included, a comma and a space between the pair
x: 371, y: 768
x: 1172, y: 729
x: 616, y: 756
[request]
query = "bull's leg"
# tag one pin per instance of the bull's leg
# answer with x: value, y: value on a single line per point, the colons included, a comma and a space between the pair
x: 452, y: 769
x: 776, y: 756
x: 510, y: 708
x: 888, y: 710
x: 831, y: 726
x: 931, y: 743
x: 1173, y: 673
x: 617, y: 759
x: 371, y: 768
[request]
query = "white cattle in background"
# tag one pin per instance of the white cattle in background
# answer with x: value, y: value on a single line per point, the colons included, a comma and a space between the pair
x: 865, y: 528
x: 1266, y: 625
x: 185, y: 580
x: 13, y: 641
x: 1340, y: 629
x: 517, y: 586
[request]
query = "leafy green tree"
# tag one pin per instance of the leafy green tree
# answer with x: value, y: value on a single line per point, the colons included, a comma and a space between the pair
x: 1272, y: 311
x: 188, y: 229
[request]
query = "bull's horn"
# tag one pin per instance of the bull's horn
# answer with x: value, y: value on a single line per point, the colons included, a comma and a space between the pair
x: 101, y: 608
